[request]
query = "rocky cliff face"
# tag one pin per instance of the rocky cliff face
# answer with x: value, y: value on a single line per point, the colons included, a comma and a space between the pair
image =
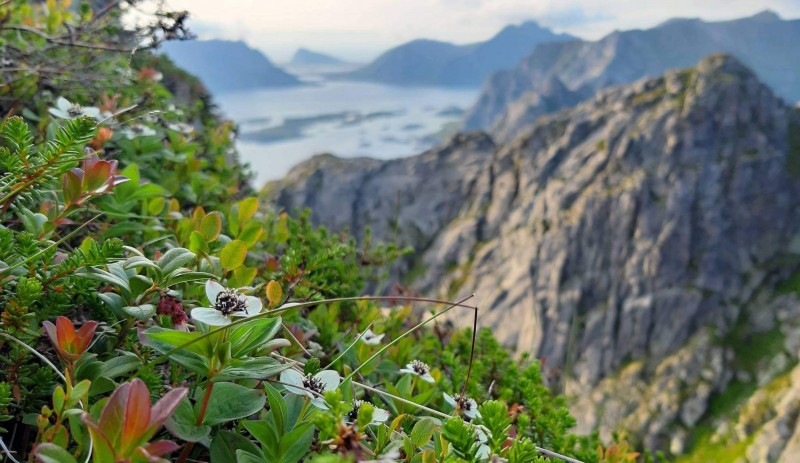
x: 628, y: 241
x: 764, y: 42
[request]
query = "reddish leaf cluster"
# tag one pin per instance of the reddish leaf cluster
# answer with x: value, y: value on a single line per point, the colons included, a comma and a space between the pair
x: 128, y: 422
x: 94, y: 178
x: 69, y: 344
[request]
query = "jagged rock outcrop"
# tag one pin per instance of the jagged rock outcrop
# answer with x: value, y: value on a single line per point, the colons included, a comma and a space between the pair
x: 764, y: 42
x: 612, y: 239
x: 408, y: 199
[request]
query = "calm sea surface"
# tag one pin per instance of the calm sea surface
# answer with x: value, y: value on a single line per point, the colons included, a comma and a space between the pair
x: 381, y: 121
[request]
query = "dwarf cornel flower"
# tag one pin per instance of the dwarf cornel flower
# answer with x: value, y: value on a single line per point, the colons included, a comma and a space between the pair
x: 68, y: 343
x: 128, y: 422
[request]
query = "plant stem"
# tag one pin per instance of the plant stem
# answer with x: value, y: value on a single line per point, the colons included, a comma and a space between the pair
x: 187, y: 449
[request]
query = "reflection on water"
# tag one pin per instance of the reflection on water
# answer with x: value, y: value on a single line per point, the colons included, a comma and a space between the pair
x: 282, y: 127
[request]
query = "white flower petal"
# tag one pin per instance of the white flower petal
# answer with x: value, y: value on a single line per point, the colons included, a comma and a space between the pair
x: 319, y: 402
x: 379, y: 415
x: 210, y: 316
x: 428, y: 378
x: 329, y: 378
x: 483, y: 452
x: 253, y: 305
x: 449, y: 399
x: 370, y: 338
x: 292, y: 378
x: 91, y: 111
x: 212, y: 291
x: 63, y: 104
x: 58, y: 113
x: 408, y: 371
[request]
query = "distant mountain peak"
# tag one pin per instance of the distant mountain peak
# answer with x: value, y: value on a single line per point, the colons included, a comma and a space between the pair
x: 227, y: 65
x: 766, y: 15
x: 763, y: 42
x: 432, y: 62
x: 306, y: 57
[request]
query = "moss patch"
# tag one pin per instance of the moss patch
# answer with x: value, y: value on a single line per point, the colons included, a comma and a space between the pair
x: 704, y: 451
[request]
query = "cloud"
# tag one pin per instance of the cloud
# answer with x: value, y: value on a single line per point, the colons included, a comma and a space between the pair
x: 360, y: 29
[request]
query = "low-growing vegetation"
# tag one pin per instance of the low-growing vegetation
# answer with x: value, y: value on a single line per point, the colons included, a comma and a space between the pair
x: 153, y: 311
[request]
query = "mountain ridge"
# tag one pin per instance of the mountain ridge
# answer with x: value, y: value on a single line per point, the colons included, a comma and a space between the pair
x: 306, y: 57
x: 226, y: 65
x: 763, y: 42
x: 675, y: 223
x: 434, y: 62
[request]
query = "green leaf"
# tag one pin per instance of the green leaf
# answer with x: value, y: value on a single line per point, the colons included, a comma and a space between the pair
x: 246, y: 457
x: 183, y: 275
x: 106, y: 277
x: 247, y: 209
x: 182, y: 423
x: 251, y: 368
x: 229, y: 401
x: 197, y: 243
x: 140, y: 312
x: 211, y: 226
x: 422, y: 432
x: 277, y: 407
x: 51, y: 453
x: 174, y: 259
x: 59, y: 397
x: 242, y: 276
x: 156, y: 205
x: 175, y: 338
x: 296, y: 444
x: 251, y: 233
x: 78, y: 392
x: 266, y: 434
x: 141, y: 261
x: 114, y: 301
x: 233, y: 254
x: 123, y: 363
x: 225, y: 443
x: 252, y: 334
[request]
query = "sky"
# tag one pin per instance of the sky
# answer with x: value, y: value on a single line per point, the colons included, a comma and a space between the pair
x: 359, y: 30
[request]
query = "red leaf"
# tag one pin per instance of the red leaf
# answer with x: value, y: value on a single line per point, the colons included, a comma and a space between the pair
x: 161, y: 447
x: 113, y: 415
x: 71, y: 184
x: 97, y: 177
x: 50, y: 329
x: 164, y: 408
x: 84, y: 337
x: 137, y: 416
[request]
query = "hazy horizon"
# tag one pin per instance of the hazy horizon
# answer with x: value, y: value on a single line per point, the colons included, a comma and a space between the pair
x: 360, y: 31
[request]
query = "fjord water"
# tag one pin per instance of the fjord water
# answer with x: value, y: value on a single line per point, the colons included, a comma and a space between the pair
x: 387, y: 121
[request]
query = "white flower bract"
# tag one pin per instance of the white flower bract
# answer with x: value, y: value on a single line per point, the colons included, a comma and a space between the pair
x: 65, y: 109
x: 225, y: 304
x: 419, y: 369
x: 379, y: 415
x: 370, y: 338
x: 464, y: 405
x: 313, y: 387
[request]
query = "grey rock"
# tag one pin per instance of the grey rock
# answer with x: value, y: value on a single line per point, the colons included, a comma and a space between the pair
x: 608, y: 239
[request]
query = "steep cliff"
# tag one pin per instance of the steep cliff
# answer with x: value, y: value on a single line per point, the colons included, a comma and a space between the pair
x: 626, y: 241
